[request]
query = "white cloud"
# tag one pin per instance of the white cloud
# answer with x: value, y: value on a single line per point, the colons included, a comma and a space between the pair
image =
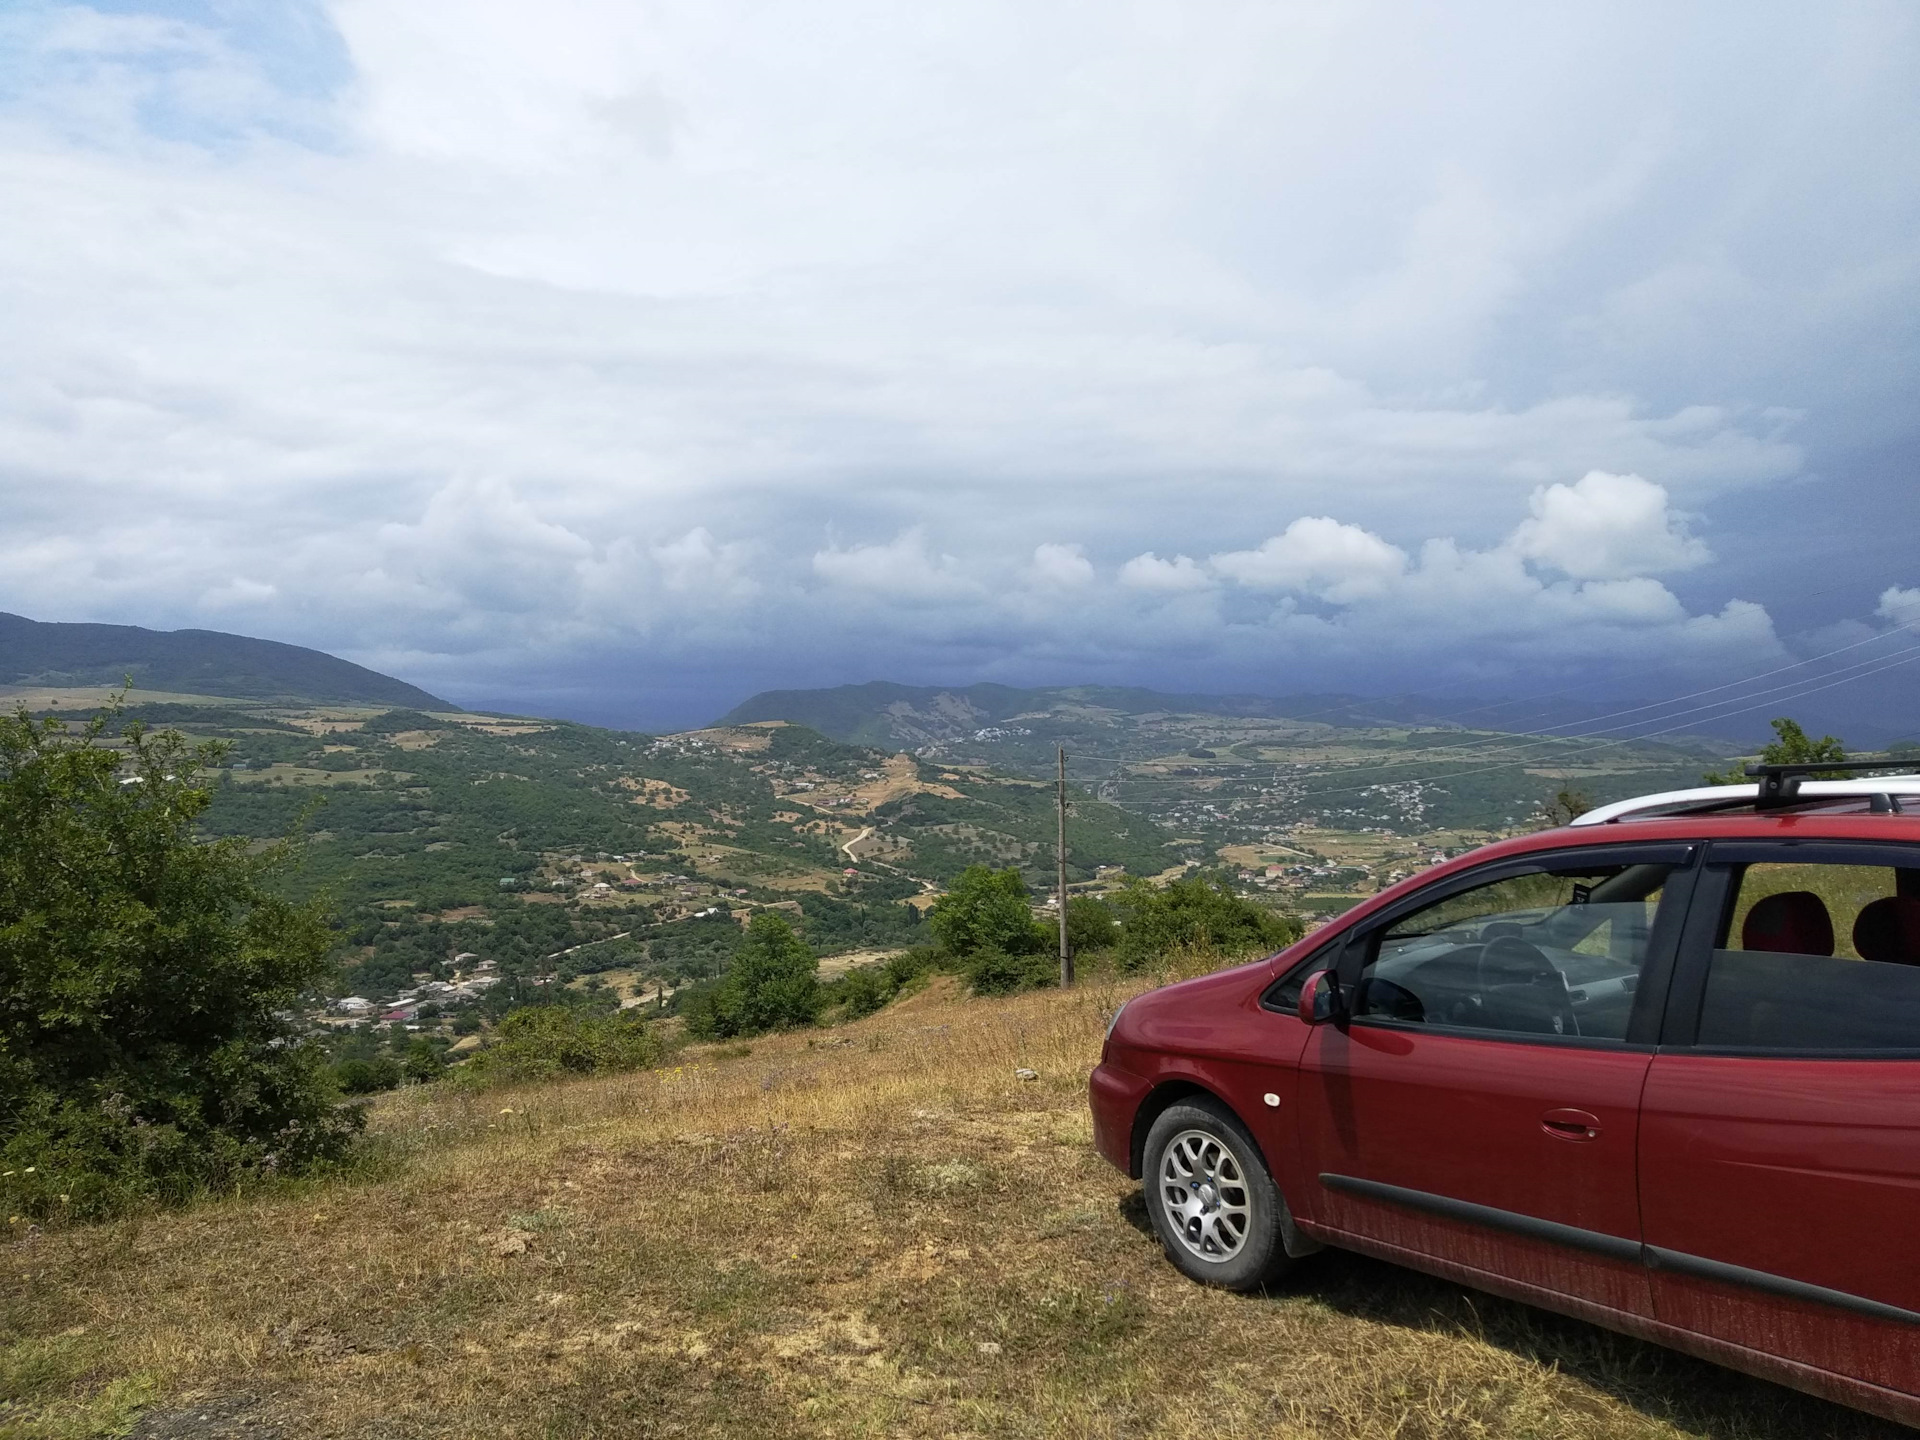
x: 239, y: 593
x: 1607, y: 527
x: 903, y: 568
x: 1150, y: 572
x: 1062, y: 566
x: 1319, y: 555
x: 696, y: 563
x: 1899, y: 605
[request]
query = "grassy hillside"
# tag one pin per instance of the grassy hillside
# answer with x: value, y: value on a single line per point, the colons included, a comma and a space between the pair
x: 872, y: 1231
x: 193, y: 662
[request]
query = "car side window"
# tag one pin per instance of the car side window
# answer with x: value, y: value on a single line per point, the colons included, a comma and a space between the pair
x: 1548, y: 952
x: 1816, y: 957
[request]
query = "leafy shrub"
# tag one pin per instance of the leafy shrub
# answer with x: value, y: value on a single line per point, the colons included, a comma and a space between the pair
x: 424, y: 1061
x: 771, y: 984
x: 987, y: 909
x: 540, y: 1042
x: 368, y: 1077
x: 1194, y: 915
x: 860, y: 991
x: 867, y: 988
x: 144, y: 980
x: 1092, y: 924
x: 992, y: 971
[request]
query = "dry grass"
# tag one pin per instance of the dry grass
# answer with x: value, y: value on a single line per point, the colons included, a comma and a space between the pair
x: 876, y: 1230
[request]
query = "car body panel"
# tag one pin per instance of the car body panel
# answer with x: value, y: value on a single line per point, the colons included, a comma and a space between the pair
x: 1462, y: 1118
x: 1807, y: 1171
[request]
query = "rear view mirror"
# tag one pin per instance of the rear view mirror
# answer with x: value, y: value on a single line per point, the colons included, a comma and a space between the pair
x: 1320, y: 999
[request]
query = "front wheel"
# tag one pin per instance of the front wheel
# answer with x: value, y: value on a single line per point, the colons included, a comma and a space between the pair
x: 1213, y: 1204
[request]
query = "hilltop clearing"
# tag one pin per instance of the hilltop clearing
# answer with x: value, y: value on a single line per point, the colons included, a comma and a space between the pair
x: 873, y: 1230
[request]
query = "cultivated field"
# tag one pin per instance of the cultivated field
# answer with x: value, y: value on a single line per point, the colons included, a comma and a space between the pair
x: 873, y: 1230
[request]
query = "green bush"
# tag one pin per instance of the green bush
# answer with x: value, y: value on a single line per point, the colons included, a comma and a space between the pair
x: 368, y: 1077
x: 867, y: 988
x: 987, y: 909
x: 425, y: 1061
x: 771, y: 984
x: 540, y: 1042
x: 1195, y: 915
x: 992, y: 971
x: 987, y: 929
x: 1092, y: 924
x: 145, y: 980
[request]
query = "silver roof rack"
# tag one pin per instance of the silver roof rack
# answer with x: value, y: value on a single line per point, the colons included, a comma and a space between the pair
x: 1705, y: 799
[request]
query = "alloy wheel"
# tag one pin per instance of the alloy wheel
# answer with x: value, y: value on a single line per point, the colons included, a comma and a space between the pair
x: 1203, y: 1189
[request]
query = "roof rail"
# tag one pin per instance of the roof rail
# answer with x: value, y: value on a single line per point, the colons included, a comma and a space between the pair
x: 1704, y: 800
x: 1780, y: 782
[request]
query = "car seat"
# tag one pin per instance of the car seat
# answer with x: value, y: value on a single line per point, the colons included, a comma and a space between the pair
x: 1794, y: 922
x: 1888, y: 930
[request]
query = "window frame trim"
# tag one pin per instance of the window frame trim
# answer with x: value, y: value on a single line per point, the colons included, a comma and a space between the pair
x: 1361, y: 944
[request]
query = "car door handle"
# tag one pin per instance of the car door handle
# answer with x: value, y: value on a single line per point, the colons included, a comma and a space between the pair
x: 1571, y: 1125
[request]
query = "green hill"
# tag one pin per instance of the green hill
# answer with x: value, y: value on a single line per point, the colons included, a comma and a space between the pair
x: 192, y: 662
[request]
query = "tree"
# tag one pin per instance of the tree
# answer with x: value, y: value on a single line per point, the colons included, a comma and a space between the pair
x: 771, y: 983
x: 1566, y: 806
x: 1791, y: 745
x: 986, y: 910
x: 1091, y: 924
x: 145, y: 980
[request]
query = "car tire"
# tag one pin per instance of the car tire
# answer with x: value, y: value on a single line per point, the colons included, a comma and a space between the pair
x: 1212, y: 1201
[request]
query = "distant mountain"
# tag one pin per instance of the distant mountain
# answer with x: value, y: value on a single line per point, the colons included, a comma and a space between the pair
x: 881, y: 713
x: 192, y: 662
x: 912, y: 716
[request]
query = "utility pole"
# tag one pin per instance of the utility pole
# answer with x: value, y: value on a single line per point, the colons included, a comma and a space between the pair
x: 1066, y: 955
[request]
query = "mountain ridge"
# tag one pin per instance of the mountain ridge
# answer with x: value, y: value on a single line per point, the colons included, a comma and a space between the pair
x: 196, y: 662
x: 885, y: 712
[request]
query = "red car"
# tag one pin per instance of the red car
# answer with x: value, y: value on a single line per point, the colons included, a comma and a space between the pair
x: 1659, y: 1070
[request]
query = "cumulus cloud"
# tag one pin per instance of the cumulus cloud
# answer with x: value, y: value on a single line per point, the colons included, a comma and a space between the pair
x: 904, y: 567
x: 1318, y: 555
x: 1062, y: 566
x: 697, y: 563
x: 1150, y: 572
x: 1899, y: 605
x: 1607, y: 527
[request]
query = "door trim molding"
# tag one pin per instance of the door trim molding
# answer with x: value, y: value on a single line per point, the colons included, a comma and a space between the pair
x: 1613, y: 1247
x: 1594, y: 1242
x: 1721, y: 1273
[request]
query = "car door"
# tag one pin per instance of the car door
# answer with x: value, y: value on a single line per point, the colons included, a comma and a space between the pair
x: 1780, y: 1129
x: 1479, y: 1106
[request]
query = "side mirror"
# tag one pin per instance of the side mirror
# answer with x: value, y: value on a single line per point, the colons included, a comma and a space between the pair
x: 1320, y: 999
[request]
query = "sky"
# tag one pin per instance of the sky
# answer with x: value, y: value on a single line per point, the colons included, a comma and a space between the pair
x: 620, y: 360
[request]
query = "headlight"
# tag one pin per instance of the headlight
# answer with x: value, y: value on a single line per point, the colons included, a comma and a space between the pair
x: 1108, y: 1037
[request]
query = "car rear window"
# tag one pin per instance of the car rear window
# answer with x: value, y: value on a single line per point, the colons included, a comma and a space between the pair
x: 1817, y: 958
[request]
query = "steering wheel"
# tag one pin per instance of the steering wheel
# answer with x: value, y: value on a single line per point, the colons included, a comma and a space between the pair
x: 1508, y: 963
